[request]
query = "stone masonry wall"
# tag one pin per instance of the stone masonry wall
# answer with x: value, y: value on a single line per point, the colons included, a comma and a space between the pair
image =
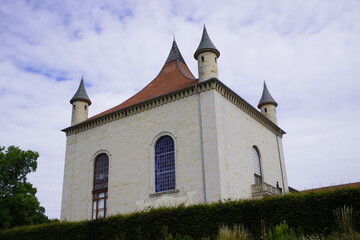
x: 226, y: 134
x: 130, y: 142
x: 237, y: 134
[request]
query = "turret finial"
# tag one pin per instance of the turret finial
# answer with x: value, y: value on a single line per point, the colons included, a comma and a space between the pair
x: 81, y: 94
x: 206, y: 45
x: 267, y: 105
x: 206, y: 55
x: 80, y: 104
x: 266, y: 97
x: 175, y: 54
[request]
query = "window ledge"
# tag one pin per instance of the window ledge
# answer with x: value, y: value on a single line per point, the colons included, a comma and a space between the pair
x: 164, y: 192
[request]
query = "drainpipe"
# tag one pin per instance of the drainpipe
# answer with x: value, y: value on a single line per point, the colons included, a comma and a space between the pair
x: 281, y: 167
x: 201, y: 143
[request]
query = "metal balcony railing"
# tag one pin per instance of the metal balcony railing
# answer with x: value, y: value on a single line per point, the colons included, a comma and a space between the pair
x: 264, y: 189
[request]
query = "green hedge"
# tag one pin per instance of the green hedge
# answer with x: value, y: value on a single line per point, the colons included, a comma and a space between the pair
x: 310, y: 212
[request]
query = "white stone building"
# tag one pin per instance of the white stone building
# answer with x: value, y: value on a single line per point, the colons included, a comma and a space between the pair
x: 179, y: 140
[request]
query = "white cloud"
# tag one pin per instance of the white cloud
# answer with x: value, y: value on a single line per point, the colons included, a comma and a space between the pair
x: 307, y: 51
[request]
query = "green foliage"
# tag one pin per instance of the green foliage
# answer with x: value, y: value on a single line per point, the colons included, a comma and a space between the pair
x: 178, y: 237
x: 281, y: 232
x: 18, y: 203
x: 311, y: 212
x: 345, y: 219
x: 238, y: 232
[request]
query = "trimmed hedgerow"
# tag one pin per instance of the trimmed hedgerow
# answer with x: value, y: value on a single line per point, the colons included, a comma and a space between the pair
x: 310, y: 212
x: 64, y: 230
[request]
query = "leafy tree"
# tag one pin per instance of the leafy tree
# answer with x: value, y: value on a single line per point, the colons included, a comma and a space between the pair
x: 18, y: 203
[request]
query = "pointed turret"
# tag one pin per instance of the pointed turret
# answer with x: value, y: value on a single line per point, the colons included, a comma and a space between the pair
x: 206, y: 45
x: 80, y: 102
x: 175, y: 54
x: 268, y: 105
x: 206, y: 55
x: 81, y: 94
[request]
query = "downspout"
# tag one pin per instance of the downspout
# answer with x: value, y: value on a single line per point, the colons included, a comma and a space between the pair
x: 281, y: 167
x: 72, y: 180
x: 201, y: 143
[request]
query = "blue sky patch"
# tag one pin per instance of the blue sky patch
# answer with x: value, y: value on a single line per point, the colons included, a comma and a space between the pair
x: 58, y: 75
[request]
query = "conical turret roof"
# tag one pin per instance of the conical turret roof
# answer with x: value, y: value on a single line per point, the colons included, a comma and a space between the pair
x: 206, y: 45
x: 81, y: 94
x: 175, y: 54
x: 266, y: 98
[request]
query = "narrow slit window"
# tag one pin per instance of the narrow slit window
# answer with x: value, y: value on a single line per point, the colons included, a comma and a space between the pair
x: 202, y: 59
x: 256, y: 165
x: 100, y: 188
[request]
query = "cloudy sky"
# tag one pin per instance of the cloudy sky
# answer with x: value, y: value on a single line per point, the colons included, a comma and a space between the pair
x: 307, y: 51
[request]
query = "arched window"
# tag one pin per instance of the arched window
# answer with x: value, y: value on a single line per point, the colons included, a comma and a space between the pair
x: 256, y: 165
x: 100, y: 188
x: 164, y: 164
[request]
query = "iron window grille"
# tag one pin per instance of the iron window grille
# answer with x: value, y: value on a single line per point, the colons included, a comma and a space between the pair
x: 164, y: 164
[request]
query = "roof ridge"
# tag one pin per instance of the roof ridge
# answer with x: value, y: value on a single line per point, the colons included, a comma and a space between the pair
x: 185, y: 75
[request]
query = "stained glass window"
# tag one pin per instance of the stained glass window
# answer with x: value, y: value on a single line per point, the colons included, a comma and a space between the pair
x: 100, y: 190
x: 101, y: 172
x: 164, y: 164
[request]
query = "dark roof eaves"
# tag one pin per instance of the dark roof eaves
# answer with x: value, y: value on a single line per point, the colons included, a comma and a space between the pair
x: 267, y: 102
x: 80, y: 99
x: 217, y: 53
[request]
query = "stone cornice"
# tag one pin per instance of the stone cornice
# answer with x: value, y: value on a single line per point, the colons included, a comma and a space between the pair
x: 174, y: 96
x: 238, y: 101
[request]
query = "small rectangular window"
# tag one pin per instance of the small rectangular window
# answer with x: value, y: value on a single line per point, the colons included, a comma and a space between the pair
x: 258, y: 179
x: 202, y: 59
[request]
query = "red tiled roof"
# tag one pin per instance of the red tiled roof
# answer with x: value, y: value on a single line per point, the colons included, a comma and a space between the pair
x: 175, y: 75
x: 348, y: 185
